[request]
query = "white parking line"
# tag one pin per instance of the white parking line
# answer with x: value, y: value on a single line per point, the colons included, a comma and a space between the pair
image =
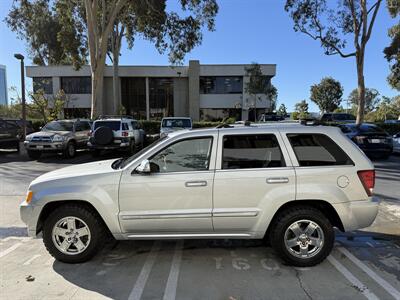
x: 9, y: 250
x: 172, y: 282
x: 350, y: 277
x: 382, y: 282
x: 29, y: 261
x: 138, y: 288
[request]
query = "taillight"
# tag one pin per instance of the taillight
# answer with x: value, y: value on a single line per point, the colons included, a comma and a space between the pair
x: 124, y: 133
x: 367, y: 178
x: 359, y: 139
x: 90, y: 133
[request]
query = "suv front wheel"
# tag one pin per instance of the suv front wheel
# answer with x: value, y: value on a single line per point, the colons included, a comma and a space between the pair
x: 302, y: 236
x: 73, y: 233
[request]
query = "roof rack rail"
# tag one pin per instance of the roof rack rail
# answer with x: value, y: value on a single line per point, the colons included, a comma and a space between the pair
x: 114, y: 117
x: 223, y: 125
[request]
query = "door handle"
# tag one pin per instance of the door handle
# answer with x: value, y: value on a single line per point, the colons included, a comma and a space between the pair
x: 277, y: 180
x: 195, y: 183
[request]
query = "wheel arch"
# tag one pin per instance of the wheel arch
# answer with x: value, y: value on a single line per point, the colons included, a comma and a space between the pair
x: 51, y: 206
x: 323, y: 206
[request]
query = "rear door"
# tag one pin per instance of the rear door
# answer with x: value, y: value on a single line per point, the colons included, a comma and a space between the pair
x: 252, y: 177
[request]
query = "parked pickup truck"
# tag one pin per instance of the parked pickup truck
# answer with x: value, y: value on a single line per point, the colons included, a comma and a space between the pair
x: 289, y: 184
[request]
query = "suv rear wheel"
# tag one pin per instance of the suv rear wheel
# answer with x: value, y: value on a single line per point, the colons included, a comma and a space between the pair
x: 302, y: 236
x: 73, y: 233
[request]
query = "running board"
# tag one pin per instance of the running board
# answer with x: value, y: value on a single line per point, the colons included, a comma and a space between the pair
x: 189, y: 236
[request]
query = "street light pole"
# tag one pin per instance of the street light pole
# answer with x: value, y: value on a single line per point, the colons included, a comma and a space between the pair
x: 20, y: 57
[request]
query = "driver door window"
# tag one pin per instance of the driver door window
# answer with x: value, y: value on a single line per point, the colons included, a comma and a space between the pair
x: 183, y: 156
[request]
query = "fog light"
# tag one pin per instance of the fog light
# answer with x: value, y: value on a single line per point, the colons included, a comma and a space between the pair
x: 29, y: 196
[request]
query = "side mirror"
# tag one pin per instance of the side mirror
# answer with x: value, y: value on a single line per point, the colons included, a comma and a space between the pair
x: 144, y: 167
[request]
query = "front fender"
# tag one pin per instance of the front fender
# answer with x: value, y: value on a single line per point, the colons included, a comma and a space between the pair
x: 100, y: 192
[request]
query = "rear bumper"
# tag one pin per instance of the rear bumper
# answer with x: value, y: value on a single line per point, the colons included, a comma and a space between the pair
x: 9, y: 143
x: 108, y: 147
x: 357, y: 214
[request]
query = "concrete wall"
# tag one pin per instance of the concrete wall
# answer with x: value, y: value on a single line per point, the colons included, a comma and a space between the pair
x: 181, y: 97
x: 194, y: 86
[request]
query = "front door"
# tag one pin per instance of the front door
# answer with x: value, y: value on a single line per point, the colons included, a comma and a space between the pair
x: 176, y: 197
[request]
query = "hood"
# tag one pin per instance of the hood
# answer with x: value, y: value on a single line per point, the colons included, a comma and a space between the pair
x: 49, y: 133
x: 93, y: 168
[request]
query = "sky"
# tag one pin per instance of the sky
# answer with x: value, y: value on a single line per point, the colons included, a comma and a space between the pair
x: 250, y: 31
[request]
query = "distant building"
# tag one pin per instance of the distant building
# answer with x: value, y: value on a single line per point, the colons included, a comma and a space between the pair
x: 203, y: 92
x: 3, y: 86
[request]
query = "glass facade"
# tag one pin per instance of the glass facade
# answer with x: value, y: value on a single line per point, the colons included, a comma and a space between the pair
x: 218, y: 114
x: 133, y: 96
x: 43, y: 83
x: 221, y: 85
x: 76, y: 85
x: 161, y: 98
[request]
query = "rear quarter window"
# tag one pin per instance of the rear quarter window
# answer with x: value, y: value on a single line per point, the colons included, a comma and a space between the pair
x: 113, y: 125
x: 317, y: 150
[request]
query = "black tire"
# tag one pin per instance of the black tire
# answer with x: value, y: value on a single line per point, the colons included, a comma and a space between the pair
x: 70, y: 150
x: 289, y: 216
x: 98, y: 234
x: 34, y: 154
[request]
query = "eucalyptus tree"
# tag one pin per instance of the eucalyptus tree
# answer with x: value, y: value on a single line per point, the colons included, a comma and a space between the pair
x: 334, y: 27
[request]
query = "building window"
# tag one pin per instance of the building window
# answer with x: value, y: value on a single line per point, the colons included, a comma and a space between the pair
x: 317, y: 150
x: 221, y: 85
x: 251, y: 152
x: 133, y: 96
x: 76, y: 85
x: 161, y: 98
x: 43, y: 83
x: 219, y: 114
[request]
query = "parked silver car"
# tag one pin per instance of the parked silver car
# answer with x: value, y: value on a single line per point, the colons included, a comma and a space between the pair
x: 58, y: 136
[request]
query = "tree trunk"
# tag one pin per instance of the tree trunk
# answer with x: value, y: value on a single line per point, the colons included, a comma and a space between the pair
x: 116, y: 85
x: 360, y: 88
x: 97, y: 91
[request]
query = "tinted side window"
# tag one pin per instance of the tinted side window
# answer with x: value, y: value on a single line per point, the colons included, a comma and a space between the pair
x: 183, y: 156
x: 317, y: 150
x: 251, y: 151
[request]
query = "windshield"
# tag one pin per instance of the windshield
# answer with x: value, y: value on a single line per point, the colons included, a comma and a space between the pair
x: 113, y: 125
x: 181, y: 123
x: 371, y: 128
x: 341, y: 117
x: 59, y: 126
x: 130, y: 159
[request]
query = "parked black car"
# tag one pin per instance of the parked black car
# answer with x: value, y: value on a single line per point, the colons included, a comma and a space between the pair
x: 338, y: 118
x: 20, y: 123
x: 9, y: 135
x: 373, y: 140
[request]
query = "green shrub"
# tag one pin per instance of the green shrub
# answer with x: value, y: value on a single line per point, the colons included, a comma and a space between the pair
x: 150, y: 127
x: 37, y: 124
x: 294, y: 115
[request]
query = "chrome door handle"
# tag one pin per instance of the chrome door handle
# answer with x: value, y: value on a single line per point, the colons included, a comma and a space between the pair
x: 195, y: 183
x: 278, y: 180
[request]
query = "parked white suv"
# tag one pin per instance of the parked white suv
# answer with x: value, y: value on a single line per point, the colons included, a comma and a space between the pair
x: 116, y: 133
x: 290, y: 184
x: 171, y: 124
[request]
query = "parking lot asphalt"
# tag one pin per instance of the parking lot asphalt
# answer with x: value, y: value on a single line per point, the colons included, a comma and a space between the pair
x: 363, y: 264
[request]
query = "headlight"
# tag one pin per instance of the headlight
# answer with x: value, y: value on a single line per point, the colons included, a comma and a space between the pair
x: 28, y: 138
x: 57, y: 138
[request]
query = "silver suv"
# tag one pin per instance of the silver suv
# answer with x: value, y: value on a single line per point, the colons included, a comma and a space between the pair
x: 63, y: 136
x: 289, y: 184
x: 116, y: 133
